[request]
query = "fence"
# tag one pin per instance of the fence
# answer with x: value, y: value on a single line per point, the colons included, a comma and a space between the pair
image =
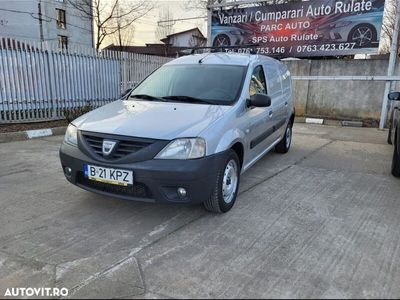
x: 38, y: 82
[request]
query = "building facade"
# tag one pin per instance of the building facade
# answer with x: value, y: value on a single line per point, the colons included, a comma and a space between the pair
x: 53, y: 22
x: 188, y: 38
x: 173, y: 45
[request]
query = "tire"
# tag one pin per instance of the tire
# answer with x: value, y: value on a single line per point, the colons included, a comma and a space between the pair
x: 284, y: 145
x: 396, y: 159
x: 363, y: 29
x: 222, y: 40
x: 217, y: 203
x: 389, y: 138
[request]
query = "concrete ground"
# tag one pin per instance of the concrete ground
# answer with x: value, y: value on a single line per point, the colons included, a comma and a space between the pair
x: 320, y: 222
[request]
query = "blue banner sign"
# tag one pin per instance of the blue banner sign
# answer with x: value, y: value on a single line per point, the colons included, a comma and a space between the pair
x: 301, y: 28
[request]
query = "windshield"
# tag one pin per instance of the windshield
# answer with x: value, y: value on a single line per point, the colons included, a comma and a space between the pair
x: 214, y: 84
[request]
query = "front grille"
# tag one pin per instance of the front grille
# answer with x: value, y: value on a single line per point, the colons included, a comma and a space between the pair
x: 124, y: 147
x: 138, y: 189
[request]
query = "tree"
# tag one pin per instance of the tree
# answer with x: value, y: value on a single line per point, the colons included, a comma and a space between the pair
x: 388, y: 25
x: 124, y: 35
x: 165, y: 27
x: 111, y: 17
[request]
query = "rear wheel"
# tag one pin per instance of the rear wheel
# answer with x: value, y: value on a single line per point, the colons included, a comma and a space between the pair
x: 286, y: 142
x: 362, y: 35
x: 389, y: 138
x: 396, y: 159
x: 226, y: 187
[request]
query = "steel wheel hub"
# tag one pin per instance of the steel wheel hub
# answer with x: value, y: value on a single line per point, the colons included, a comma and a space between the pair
x: 288, y: 137
x: 230, y: 181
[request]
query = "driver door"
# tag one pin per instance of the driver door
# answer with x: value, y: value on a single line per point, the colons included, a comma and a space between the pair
x: 261, y: 118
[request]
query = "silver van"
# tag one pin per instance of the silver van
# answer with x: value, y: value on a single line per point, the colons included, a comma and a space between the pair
x: 186, y: 133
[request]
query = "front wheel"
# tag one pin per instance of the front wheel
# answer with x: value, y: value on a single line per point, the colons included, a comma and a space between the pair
x: 396, y: 160
x: 286, y: 142
x: 222, y: 40
x: 226, y: 187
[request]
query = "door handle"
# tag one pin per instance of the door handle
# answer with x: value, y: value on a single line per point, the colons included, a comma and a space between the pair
x: 286, y: 103
x: 270, y: 113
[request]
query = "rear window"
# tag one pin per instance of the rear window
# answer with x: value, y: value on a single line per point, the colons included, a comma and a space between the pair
x: 220, y: 84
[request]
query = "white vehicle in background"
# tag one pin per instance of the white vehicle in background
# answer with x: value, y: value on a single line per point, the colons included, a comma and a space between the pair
x: 186, y: 133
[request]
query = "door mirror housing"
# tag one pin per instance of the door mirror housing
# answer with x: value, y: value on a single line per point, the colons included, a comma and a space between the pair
x: 394, y: 96
x: 259, y: 100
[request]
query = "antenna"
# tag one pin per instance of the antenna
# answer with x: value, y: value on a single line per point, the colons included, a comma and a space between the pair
x: 201, y: 60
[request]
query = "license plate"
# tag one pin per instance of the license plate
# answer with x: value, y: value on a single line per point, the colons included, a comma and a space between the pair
x: 109, y: 175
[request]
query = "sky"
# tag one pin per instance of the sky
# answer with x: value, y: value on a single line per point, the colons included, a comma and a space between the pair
x: 145, y: 27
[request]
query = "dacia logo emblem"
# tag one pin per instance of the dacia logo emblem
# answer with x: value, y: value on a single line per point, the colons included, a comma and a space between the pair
x: 108, y: 147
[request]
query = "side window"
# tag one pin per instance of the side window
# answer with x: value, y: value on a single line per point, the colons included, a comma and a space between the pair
x: 257, y: 82
x: 274, y: 82
x: 286, y: 82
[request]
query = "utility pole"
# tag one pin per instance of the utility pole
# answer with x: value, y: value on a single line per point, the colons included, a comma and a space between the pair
x: 40, y: 23
x: 209, y: 21
x: 392, y: 64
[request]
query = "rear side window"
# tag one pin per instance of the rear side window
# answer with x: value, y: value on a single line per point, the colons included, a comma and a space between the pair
x: 257, y: 82
x: 274, y: 82
x: 286, y: 82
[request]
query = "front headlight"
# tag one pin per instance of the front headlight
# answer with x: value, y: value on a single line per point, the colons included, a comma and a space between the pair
x: 71, y: 135
x: 184, y: 149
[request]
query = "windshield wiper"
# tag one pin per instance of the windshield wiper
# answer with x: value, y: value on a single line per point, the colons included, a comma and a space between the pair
x: 147, y: 97
x: 188, y: 99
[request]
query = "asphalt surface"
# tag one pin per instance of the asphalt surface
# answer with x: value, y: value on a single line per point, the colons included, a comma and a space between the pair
x: 319, y: 222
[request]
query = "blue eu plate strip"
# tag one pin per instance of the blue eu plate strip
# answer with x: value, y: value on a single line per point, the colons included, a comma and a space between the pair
x: 85, y: 169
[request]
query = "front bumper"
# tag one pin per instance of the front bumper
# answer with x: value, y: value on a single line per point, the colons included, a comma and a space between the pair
x: 154, y: 180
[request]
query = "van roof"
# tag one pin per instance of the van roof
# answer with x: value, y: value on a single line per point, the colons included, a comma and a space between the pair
x: 222, y: 58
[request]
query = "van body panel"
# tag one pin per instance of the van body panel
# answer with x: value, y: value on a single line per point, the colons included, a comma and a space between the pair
x: 257, y: 129
x: 156, y: 120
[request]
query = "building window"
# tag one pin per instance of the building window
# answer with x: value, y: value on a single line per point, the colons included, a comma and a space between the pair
x: 63, y: 42
x: 61, y: 23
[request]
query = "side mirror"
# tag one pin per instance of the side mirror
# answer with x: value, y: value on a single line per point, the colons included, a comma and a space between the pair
x: 259, y: 100
x: 394, y: 96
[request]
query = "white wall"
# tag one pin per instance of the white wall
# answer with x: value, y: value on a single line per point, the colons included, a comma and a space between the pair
x: 19, y: 25
x: 22, y: 22
x: 78, y: 29
x: 184, y: 40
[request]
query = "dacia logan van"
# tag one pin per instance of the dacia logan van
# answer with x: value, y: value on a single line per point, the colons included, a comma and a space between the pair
x: 186, y: 133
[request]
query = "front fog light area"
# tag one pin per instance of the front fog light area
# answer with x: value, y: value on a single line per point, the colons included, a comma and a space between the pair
x: 176, y: 194
x: 182, y: 192
x: 68, y: 172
